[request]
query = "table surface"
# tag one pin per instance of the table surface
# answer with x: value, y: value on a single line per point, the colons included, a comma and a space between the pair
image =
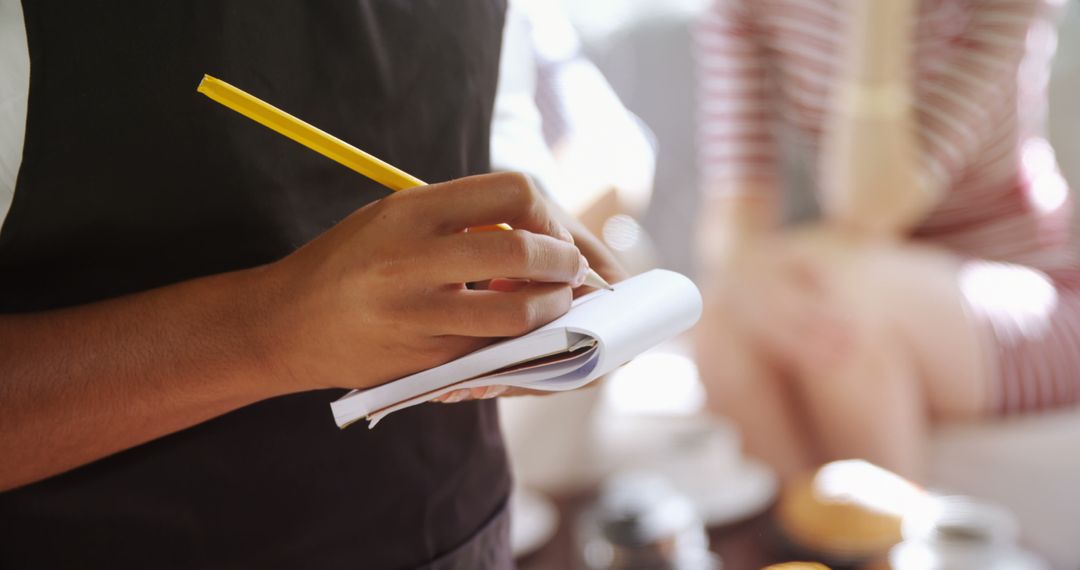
x: 750, y: 544
x: 746, y: 545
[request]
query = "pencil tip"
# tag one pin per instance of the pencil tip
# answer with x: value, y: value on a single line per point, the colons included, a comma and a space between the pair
x: 593, y: 279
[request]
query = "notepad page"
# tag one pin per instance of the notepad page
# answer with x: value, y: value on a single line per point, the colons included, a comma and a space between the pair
x: 537, y: 377
x: 537, y: 344
x: 638, y: 314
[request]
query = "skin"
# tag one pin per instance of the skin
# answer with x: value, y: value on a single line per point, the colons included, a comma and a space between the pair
x: 377, y: 297
x: 600, y: 259
x: 843, y: 348
x: 841, y: 339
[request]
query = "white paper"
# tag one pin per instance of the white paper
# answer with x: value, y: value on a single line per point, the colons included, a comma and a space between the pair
x: 640, y: 313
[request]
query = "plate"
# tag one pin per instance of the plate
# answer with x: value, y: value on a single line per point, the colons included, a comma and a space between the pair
x: 744, y: 492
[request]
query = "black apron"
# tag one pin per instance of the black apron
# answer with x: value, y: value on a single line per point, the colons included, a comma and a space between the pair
x: 131, y: 180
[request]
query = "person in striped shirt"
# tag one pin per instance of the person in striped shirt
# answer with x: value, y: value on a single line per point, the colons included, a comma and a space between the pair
x: 942, y: 282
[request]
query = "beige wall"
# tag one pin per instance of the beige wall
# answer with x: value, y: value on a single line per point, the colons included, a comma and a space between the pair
x: 1065, y: 98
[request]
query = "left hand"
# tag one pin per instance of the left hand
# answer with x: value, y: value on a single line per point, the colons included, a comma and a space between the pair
x: 810, y: 317
x: 600, y: 259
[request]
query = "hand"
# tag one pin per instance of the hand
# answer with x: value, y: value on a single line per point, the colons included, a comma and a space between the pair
x: 600, y: 259
x: 781, y: 294
x: 598, y: 255
x: 382, y: 295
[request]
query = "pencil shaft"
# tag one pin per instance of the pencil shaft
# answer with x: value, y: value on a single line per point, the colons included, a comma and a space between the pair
x: 308, y: 135
x: 326, y: 144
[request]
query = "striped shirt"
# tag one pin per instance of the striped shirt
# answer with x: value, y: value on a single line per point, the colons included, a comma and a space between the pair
x: 981, y: 69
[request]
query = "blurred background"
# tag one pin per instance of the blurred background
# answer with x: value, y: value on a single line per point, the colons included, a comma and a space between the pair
x: 599, y: 104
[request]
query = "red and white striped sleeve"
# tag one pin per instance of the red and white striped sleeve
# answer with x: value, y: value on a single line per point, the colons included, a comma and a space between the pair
x: 736, y: 139
x: 957, y: 98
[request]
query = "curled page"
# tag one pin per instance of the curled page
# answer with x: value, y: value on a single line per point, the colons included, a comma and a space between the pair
x: 602, y: 331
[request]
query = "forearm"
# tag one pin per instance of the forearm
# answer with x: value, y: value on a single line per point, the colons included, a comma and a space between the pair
x: 871, y: 168
x: 740, y: 158
x: 376, y: 297
x: 736, y: 212
x: 877, y: 44
x: 82, y: 383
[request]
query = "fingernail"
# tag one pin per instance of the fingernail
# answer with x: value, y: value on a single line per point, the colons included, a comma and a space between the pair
x: 583, y: 268
x: 565, y: 235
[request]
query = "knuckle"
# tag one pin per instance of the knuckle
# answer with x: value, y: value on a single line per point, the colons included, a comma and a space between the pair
x: 520, y: 249
x: 520, y: 189
x: 516, y: 180
x: 523, y: 317
x: 374, y: 211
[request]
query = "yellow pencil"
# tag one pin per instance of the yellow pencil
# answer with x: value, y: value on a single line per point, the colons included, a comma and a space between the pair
x: 325, y: 144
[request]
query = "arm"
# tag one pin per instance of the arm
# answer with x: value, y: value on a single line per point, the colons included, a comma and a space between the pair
x: 892, y: 150
x: 377, y: 297
x: 870, y: 170
x: 82, y: 383
x: 738, y: 148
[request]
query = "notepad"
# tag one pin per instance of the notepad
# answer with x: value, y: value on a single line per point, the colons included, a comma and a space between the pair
x: 602, y: 331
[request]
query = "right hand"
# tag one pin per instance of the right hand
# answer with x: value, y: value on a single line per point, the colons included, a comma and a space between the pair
x: 381, y: 295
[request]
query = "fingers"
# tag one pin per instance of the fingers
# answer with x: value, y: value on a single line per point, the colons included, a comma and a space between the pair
x: 485, y: 200
x: 517, y: 254
x: 601, y: 259
x: 506, y: 285
x: 493, y: 314
x: 485, y: 393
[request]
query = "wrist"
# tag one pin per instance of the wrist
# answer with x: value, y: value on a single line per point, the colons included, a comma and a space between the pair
x: 732, y: 221
x: 879, y: 40
x: 261, y: 326
x: 882, y: 216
